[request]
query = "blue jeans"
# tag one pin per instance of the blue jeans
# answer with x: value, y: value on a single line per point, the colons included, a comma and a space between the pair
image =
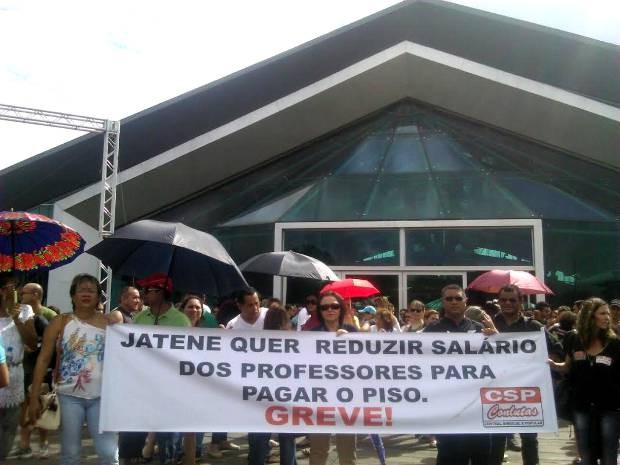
x: 73, y: 412
x: 597, y: 433
x: 178, y: 445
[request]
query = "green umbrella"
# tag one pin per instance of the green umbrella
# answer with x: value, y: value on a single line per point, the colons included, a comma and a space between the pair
x: 434, y: 304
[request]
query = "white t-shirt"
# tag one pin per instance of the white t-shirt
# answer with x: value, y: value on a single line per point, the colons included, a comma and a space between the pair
x: 239, y: 323
x: 302, y: 316
x: 13, y: 394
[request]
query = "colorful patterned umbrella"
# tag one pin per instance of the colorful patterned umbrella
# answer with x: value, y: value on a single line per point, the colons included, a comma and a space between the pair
x: 32, y: 242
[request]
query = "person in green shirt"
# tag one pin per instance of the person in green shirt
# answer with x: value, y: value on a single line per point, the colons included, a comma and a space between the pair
x: 157, y: 293
x: 32, y: 294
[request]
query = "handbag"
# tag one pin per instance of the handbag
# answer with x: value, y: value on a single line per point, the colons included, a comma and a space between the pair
x: 50, y: 406
x: 50, y: 411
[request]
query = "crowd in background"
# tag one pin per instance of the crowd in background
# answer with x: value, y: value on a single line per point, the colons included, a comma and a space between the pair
x: 38, y: 347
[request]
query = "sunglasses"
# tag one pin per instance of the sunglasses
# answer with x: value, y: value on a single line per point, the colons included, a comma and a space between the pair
x: 333, y: 306
x: 417, y: 310
x: 512, y: 300
x: 450, y: 298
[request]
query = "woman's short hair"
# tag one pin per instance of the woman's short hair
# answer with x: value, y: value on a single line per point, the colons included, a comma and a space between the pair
x: 276, y: 318
x: 84, y: 277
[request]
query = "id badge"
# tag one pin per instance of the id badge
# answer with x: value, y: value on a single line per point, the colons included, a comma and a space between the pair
x: 603, y: 360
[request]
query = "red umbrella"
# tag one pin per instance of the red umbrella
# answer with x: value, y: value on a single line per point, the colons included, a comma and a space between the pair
x: 352, y: 288
x: 29, y: 242
x: 492, y: 281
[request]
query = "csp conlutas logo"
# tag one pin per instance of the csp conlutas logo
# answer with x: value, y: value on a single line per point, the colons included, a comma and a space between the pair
x: 511, y: 406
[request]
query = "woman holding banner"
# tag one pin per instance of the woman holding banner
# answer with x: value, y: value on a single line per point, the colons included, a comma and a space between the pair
x: 276, y: 319
x: 78, y: 340
x: 331, y: 315
x: 593, y: 366
x: 193, y: 307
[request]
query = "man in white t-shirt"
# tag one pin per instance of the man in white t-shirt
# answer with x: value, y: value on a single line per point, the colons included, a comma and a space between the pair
x: 252, y: 315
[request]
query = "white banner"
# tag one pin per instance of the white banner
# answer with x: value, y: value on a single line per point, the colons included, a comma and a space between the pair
x: 190, y: 379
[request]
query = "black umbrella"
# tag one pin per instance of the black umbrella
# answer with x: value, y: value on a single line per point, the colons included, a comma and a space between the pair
x: 290, y: 264
x: 195, y: 260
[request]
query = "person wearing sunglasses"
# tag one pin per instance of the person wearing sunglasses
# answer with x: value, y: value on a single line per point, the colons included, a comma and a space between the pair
x: 511, y: 319
x: 331, y: 313
x: 415, y: 316
x: 156, y: 292
x: 78, y: 341
x: 457, y: 449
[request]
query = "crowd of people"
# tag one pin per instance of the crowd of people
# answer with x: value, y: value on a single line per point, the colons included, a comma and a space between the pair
x: 39, y: 347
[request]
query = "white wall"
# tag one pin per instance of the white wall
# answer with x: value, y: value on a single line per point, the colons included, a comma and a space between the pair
x: 60, y: 278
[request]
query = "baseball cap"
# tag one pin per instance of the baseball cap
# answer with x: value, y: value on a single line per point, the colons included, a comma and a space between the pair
x: 368, y: 309
x: 615, y: 303
x: 159, y: 280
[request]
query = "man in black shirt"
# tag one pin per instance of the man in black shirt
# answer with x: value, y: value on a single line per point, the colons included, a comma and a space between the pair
x: 511, y: 320
x: 130, y: 303
x: 459, y: 449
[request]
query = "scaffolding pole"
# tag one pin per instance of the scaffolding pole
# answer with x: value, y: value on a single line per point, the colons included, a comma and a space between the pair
x: 109, y: 166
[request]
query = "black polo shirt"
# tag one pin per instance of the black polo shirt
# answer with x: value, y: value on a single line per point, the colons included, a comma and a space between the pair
x: 526, y: 325
x: 522, y: 325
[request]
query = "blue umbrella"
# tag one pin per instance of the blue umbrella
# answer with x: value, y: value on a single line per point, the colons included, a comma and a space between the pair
x: 195, y: 260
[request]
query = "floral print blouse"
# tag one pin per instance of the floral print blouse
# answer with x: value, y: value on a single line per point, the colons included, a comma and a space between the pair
x: 81, y: 360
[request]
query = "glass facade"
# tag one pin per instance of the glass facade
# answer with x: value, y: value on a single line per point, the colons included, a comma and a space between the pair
x: 582, y: 259
x: 415, y: 162
x: 353, y: 247
x: 470, y: 246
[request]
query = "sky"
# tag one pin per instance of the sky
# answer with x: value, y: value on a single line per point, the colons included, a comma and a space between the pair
x: 115, y: 58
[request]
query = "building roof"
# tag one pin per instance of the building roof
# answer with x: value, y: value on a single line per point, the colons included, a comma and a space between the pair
x: 551, y: 86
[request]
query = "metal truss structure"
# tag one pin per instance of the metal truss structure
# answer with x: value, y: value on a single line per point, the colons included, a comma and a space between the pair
x: 109, y: 166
